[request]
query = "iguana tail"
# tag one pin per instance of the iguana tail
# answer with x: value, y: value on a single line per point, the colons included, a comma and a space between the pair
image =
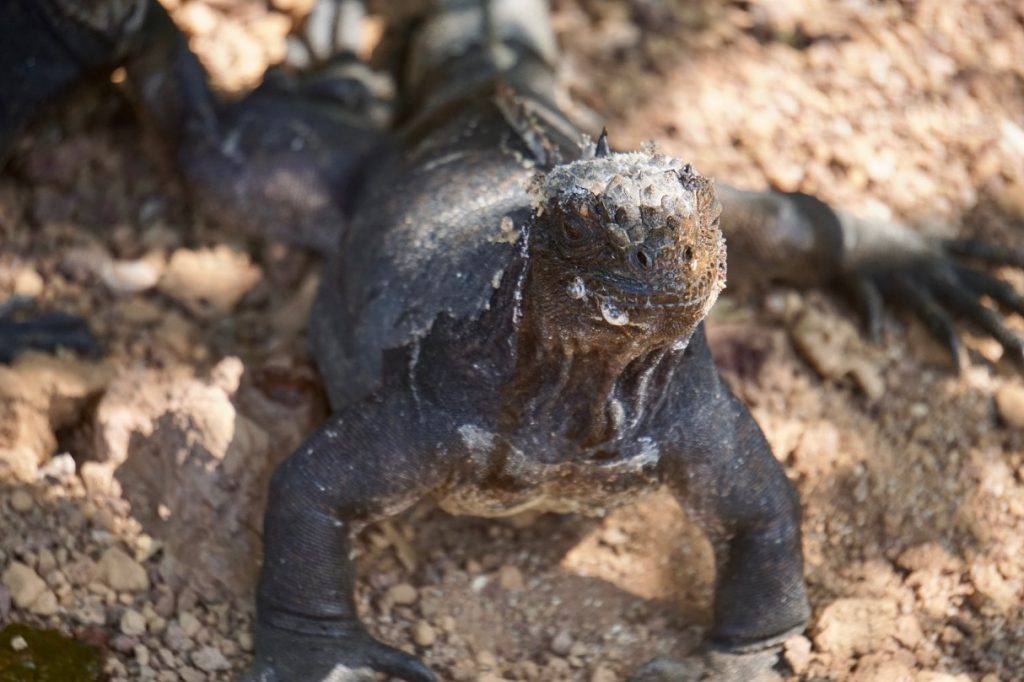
x: 465, y: 44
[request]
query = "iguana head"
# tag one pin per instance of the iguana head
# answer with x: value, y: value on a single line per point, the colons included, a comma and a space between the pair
x: 627, y: 243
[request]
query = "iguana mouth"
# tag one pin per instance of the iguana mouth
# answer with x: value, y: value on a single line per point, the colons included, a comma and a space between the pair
x: 640, y: 297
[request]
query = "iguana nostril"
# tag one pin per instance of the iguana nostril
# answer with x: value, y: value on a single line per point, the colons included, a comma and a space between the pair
x: 642, y: 258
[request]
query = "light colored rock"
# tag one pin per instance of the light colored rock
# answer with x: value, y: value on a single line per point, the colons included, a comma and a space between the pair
x: 870, y: 670
x: 40, y: 394
x: 98, y: 478
x: 133, y: 623
x: 797, y: 652
x: 60, y: 467
x: 190, y: 462
x: 562, y: 643
x: 209, y: 659
x: 665, y: 669
x: 992, y: 591
x: 28, y: 282
x: 24, y: 584
x: 131, y: 277
x: 21, y: 501
x: 46, y: 562
x: 929, y: 556
x: 197, y: 18
x: 833, y: 348
x: 80, y: 572
x: 121, y: 572
x: 190, y: 674
x: 18, y: 643
x: 856, y: 626
x: 423, y: 633
x: 189, y: 624
x: 209, y: 281
x: 92, y: 614
x: 298, y: 7
x: 510, y: 577
x: 46, y: 604
x: 1010, y: 403
x: 603, y: 673
x: 403, y: 594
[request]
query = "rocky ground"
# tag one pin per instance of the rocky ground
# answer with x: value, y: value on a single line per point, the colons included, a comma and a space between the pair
x: 132, y: 483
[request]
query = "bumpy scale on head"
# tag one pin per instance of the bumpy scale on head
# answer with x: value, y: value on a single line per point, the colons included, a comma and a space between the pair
x: 637, y: 237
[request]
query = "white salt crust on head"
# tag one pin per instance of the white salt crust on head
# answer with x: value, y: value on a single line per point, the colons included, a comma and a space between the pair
x: 626, y: 181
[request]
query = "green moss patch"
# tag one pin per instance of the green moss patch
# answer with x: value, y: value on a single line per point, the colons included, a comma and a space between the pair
x: 48, y: 657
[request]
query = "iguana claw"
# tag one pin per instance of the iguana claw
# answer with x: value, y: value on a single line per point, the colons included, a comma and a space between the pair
x: 299, y: 657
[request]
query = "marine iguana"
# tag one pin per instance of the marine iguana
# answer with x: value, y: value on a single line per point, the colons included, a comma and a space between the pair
x: 512, y: 314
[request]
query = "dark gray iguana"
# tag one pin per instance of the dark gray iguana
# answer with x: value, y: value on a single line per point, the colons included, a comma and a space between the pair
x: 511, y: 317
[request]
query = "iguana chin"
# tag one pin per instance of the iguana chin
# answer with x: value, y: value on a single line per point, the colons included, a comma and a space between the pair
x: 511, y: 314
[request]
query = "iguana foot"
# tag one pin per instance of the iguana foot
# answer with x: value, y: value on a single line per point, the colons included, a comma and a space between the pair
x: 300, y: 657
x: 45, y: 332
x: 938, y: 289
x: 713, y: 666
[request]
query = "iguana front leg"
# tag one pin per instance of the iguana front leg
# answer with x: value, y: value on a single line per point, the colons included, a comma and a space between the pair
x: 369, y: 462
x: 797, y: 239
x: 718, y: 462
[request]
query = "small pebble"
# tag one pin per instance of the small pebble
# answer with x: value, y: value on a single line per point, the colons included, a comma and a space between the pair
x: 133, y: 623
x: 18, y: 643
x: 510, y: 577
x: 562, y: 643
x: 798, y: 653
x: 21, y: 501
x: 47, y: 562
x: 189, y: 624
x: 92, y: 614
x: 209, y: 659
x: 45, y: 605
x: 1010, y: 403
x: 423, y: 634
x: 613, y: 536
x: 28, y: 282
x: 120, y: 572
x: 403, y: 594
x: 124, y: 643
x: 24, y: 584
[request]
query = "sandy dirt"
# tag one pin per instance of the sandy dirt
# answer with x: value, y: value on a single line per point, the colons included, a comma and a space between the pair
x: 130, y: 485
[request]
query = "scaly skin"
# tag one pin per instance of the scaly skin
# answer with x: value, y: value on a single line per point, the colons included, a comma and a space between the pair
x: 511, y: 316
